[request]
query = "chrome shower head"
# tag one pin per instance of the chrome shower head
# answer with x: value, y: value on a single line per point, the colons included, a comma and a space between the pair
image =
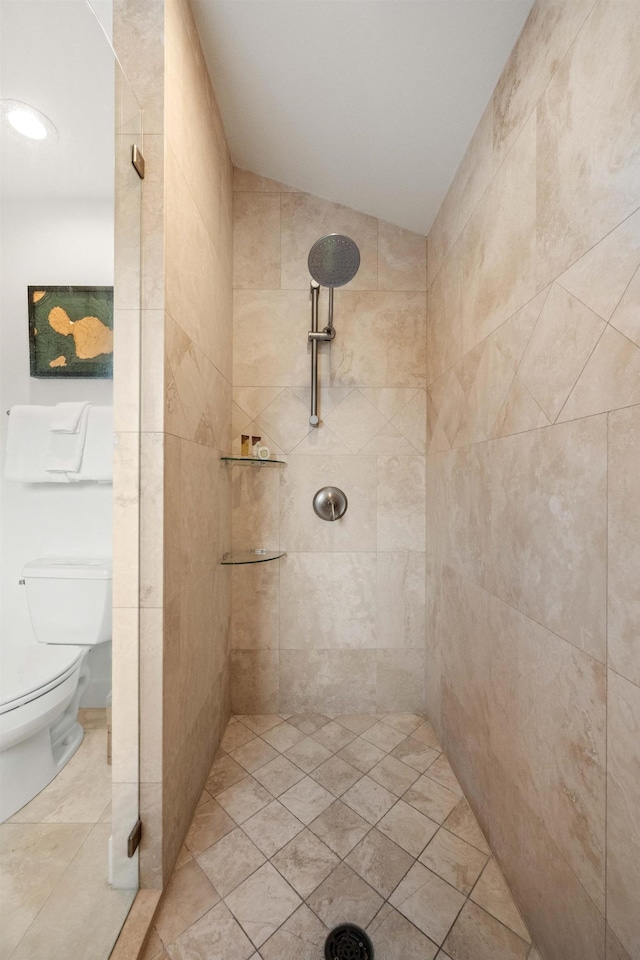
x: 334, y: 260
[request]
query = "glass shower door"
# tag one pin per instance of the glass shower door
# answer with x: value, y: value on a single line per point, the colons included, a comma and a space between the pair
x: 70, y: 217
x: 126, y: 520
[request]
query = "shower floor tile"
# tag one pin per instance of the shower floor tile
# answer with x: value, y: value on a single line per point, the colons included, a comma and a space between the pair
x: 336, y: 775
x: 305, y: 862
x: 380, y: 861
x: 301, y: 937
x: 455, y: 861
x: 308, y: 754
x: 230, y: 861
x: 396, y: 938
x: 306, y: 800
x: 369, y: 799
x: 407, y: 827
x: 273, y: 827
x: 279, y: 775
x: 344, y: 897
x: 340, y: 827
x: 399, y: 853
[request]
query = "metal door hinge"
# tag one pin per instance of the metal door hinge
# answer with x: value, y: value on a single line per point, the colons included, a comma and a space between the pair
x: 137, y: 160
x: 133, y: 840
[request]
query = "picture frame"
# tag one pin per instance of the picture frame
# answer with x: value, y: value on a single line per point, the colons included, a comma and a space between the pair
x: 70, y: 331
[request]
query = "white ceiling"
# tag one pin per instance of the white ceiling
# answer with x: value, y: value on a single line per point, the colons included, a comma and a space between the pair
x: 370, y: 103
x: 54, y: 55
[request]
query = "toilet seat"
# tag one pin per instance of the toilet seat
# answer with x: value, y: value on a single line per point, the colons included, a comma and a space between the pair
x: 39, y: 729
x: 28, y: 671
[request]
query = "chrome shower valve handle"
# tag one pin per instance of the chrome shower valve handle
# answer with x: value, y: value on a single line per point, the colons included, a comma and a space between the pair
x: 330, y: 503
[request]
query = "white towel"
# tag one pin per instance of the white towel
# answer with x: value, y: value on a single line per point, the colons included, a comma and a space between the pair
x: 27, y: 440
x: 64, y: 451
x: 97, y: 458
x: 67, y: 416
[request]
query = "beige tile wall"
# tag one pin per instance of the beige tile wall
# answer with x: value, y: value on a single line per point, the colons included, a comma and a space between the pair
x: 337, y: 625
x: 533, y: 467
x: 196, y: 589
x: 185, y: 594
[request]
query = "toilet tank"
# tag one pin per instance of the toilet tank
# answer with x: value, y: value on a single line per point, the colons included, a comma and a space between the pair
x: 69, y: 600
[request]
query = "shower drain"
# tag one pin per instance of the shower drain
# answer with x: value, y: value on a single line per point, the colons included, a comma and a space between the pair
x: 348, y: 942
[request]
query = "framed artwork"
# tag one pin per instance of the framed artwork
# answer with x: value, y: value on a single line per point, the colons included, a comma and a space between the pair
x: 71, y: 331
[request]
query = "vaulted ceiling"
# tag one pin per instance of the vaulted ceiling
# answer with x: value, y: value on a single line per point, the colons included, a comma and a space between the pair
x: 370, y: 103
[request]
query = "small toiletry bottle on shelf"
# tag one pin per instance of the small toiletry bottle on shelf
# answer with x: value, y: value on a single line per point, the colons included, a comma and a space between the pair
x: 244, y: 446
x: 255, y: 444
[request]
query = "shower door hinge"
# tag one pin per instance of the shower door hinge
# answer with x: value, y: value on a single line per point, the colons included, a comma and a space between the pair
x: 133, y: 840
x: 137, y: 160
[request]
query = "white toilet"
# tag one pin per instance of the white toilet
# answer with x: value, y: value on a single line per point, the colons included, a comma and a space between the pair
x: 41, y: 682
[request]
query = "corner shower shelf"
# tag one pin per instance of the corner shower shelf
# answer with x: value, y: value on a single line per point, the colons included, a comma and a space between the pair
x: 251, y: 556
x: 254, y: 461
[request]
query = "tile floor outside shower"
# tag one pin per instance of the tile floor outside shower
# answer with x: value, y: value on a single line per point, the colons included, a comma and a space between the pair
x: 55, y: 898
x: 307, y: 822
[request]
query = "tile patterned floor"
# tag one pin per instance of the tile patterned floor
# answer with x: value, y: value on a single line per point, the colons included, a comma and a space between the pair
x: 307, y: 822
x: 55, y: 899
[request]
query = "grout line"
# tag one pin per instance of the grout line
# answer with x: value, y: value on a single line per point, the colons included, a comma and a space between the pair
x: 616, y: 673
x: 520, y: 433
x: 558, y: 281
x: 579, y: 377
x: 533, y: 330
x: 462, y: 356
x: 633, y: 276
x: 522, y: 614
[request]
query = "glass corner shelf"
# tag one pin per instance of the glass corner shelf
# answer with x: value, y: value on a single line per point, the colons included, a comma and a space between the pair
x: 251, y: 556
x: 253, y: 461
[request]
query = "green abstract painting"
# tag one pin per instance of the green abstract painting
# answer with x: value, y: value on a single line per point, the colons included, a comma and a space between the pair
x: 71, y: 331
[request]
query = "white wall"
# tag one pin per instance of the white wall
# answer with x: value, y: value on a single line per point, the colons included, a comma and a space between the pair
x: 61, y: 242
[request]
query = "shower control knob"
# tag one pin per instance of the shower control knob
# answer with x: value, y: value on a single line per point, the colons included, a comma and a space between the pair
x: 330, y: 503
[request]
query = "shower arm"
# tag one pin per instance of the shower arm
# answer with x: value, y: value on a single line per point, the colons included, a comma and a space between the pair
x: 315, y: 337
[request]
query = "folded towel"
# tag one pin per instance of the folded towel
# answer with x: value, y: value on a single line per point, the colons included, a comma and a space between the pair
x: 67, y: 416
x: 64, y: 451
x: 97, y: 457
x: 27, y: 439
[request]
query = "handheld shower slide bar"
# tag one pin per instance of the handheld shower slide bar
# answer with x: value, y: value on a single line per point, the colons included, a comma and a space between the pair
x: 333, y: 261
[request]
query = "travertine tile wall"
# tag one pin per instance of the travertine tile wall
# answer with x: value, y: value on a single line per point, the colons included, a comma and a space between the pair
x: 533, y: 473
x: 186, y: 421
x: 338, y: 625
x: 197, y: 425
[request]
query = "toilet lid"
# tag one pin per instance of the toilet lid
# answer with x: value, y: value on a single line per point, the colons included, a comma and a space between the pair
x: 31, y: 668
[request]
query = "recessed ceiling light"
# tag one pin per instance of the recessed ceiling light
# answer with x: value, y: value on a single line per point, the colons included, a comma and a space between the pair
x: 28, y: 121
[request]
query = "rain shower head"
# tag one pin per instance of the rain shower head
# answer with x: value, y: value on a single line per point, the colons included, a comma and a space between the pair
x: 334, y: 260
